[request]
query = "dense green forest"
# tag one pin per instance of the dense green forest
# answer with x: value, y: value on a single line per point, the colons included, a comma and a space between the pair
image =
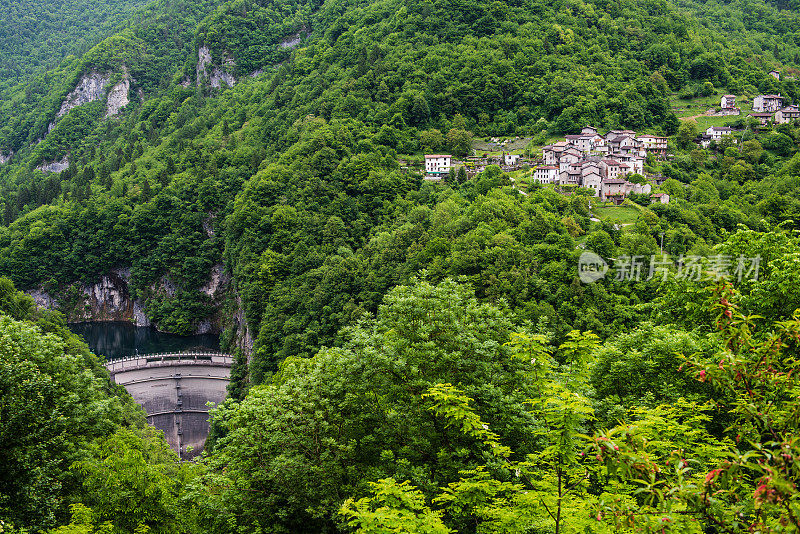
x: 412, y: 356
x: 37, y: 36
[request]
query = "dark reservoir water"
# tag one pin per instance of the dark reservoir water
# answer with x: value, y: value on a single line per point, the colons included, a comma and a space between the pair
x: 119, y: 339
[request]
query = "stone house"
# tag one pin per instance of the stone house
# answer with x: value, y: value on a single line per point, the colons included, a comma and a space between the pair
x: 571, y: 175
x: 612, y: 187
x: 763, y: 118
x: 611, y: 168
x: 552, y: 153
x: 787, y: 114
x: 624, y: 142
x: 592, y: 179
x: 569, y: 157
x: 663, y: 198
x: 767, y: 103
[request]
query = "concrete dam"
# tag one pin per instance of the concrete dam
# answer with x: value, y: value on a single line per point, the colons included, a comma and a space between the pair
x: 173, y: 389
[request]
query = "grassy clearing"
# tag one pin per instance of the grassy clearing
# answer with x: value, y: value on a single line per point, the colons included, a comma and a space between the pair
x: 617, y: 214
x: 696, y: 109
x: 514, y: 145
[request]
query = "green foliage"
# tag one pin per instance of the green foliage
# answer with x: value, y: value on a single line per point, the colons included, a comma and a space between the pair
x: 355, y: 414
x: 743, y: 481
x: 393, y: 507
x: 55, y: 398
x: 37, y: 36
x: 132, y: 482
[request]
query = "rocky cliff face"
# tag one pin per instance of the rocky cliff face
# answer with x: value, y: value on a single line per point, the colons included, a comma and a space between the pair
x: 109, y: 299
x: 54, y: 166
x: 244, y: 338
x: 91, y: 87
x: 291, y: 41
x: 217, y: 75
x: 118, y: 97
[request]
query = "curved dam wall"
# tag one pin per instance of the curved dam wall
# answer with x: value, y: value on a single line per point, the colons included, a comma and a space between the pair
x: 174, y: 390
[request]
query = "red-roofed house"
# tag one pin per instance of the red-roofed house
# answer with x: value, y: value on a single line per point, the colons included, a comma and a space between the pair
x: 546, y: 174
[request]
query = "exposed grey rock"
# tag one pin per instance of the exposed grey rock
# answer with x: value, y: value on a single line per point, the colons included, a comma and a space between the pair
x: 118, y: 97
x: 5, y: 157
x: 109, y: 299
x: 139, y: 317
x: 90, y: 88
x: 244, y: 338
x: 203, y: 61
x: 204, y: 327
x: 168, y: 286
x: 43, y: 299
x: 207, y: 227
x: 291, y: 41
x: 55, y: 166
x: 218, y: 75
x: 218, y: 279
x: 123, y: 272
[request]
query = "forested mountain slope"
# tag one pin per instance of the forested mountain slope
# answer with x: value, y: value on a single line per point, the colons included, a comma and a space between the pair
x: 412, y: 356
x: 290, y: 177
x: 37, y: 35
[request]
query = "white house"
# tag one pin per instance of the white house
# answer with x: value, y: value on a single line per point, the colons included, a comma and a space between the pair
x: 636, y: 164
x: 716, y: 132
x: 728, y: 102
x: 510, y: 159
x: 775, y: 74
x: 546, y: 174
x: 437, y: 164
x: 787, y: 114
x: 654, y: 144
x: 767, y: 103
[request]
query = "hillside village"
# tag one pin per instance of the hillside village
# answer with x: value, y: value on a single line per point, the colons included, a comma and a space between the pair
x: 610, y: 164
x: 588, y: 159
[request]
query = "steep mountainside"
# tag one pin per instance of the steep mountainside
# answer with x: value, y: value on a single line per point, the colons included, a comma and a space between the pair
x: 267, y: 135
x: 412, y: 354
x: 37, y: 35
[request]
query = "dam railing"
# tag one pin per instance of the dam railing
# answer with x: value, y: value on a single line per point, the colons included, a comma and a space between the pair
x: 199, y: 357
